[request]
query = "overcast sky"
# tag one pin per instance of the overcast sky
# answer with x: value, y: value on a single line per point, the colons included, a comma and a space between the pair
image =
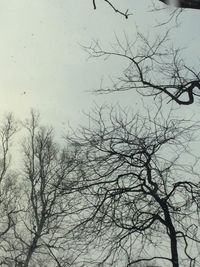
x: 43, y: 65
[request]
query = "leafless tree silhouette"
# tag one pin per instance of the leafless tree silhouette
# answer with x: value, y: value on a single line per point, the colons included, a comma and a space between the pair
x: 38, y: 236
x: 139, y: 202
x: 8, y: 186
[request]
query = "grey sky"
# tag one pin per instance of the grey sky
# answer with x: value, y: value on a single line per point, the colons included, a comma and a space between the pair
x: 43, y: 66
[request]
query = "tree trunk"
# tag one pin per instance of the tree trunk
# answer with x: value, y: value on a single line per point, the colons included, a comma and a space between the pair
x: 33, y: 245
x: 174, y: 250
x: 30, y: 252
x: 170, y: 229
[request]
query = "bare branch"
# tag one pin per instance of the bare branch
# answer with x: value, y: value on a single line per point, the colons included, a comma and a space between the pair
x: 154, y: 69
x: 125, y: 14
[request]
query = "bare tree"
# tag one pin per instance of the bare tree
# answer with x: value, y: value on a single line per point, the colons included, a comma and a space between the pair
x: 39, y: 233
x: 8, y: 183
x: 154, y: 68
x: 140, y: 201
